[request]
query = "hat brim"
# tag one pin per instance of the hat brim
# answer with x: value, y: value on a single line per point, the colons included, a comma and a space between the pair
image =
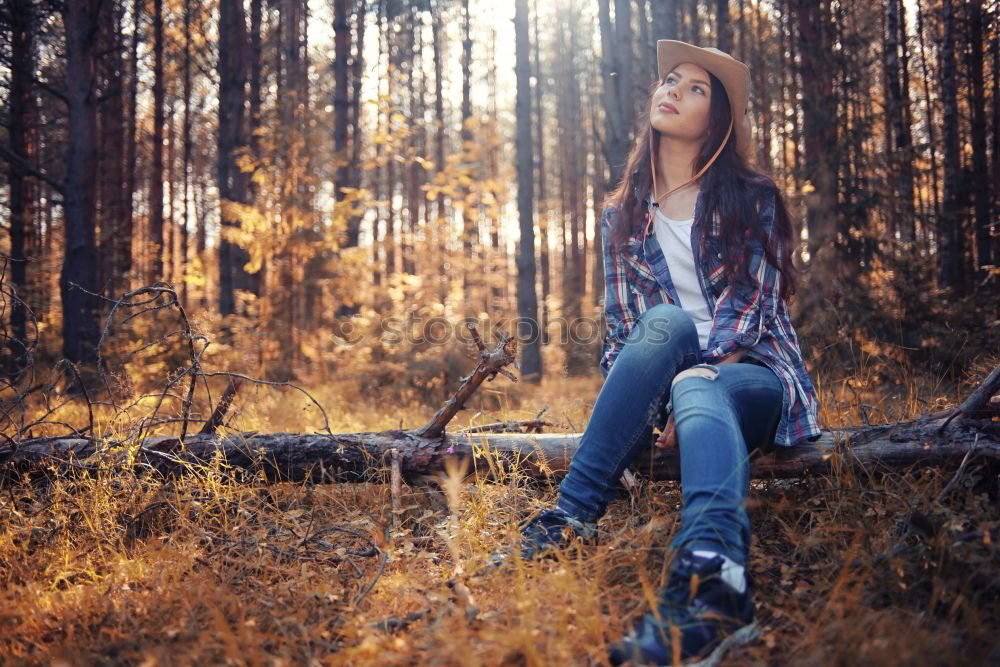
x: 734, y: 75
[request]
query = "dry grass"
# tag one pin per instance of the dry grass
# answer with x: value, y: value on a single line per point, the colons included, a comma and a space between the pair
x: 850, y: 569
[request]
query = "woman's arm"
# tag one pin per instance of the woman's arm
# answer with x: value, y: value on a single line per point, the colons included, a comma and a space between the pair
x: 617, y: 306
x: 743, y: 315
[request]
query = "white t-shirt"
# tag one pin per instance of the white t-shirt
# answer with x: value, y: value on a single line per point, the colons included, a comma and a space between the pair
x: 674, y: 237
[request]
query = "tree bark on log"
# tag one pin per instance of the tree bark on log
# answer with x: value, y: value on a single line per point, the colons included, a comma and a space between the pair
x: 353, y: 457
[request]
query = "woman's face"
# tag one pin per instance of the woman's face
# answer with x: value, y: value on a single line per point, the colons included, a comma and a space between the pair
x: 680, y: 106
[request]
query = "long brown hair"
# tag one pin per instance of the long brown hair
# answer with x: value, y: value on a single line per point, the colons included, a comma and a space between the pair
x: 730, y: 187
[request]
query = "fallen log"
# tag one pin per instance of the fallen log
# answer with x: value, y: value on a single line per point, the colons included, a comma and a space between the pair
x: 955, y: 435
x: 352, y: 457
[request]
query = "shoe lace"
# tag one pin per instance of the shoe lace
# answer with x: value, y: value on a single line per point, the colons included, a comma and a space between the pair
x: 695, y: 582
x: 555, y: 525
x: 548, y: 523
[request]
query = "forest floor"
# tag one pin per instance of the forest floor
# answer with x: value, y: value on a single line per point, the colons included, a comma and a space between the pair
x: 850, y: 568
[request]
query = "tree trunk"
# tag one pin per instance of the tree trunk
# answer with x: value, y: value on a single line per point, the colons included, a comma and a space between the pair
x: 723, y: 26
x: 232, y: 70
x: 78, y: 281
x: 625, y: 58
x: 156, y: 168
x: 694, y: 28
x: 598, y: 181
x: 355, y: 457
x: 411, y: 173
x: 357, y: 127
x: 931, y: 141
x: 578, y: 157
x: 185, y: 151
x: 354, y: 173
x: 741, y: 22
x: 819, y: 108
x: 170, y: 220
x: 646, y: 48
x: 664, y: 15
x: 761, y: 102
x: 855, y: 206
x: 995, y: 150
x: 342, y: 45
x: 294, y: 201
x: 784, y: 136
x: 980, y: 168
x: 392, y: 57
x: 542, y: 205
x: 378, y: 186
x: 256, y: 80
x: 469, y: 236
x: 21, y: 199
x: 527, y: 297
x: 258, y: 281
x: 905, y: 129
x: 951, y: 215
x: 123, y: 239
x: 498, y: 272
x: 617, y: 115
x: 437, y: 29
x: 572, y: 162
x: 795, y: 89
x: 111, y: 160
x: 900, y: 158
x: 970, y: 429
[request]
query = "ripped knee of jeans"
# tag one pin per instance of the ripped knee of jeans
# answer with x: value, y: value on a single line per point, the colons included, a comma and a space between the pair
x: 707, y: 371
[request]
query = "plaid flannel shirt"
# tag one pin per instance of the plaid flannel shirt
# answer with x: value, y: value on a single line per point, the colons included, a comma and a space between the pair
x: 752, y: 318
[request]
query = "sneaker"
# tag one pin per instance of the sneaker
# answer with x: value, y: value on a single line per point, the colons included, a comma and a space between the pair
x: 700, y: 618
x: 548, y: 532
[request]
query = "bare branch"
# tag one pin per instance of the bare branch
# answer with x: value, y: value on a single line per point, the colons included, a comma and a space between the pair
x: 21, y: 164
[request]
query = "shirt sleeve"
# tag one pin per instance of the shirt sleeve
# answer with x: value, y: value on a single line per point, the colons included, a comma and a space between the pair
x: 749, y: 310
x: 618, y: 311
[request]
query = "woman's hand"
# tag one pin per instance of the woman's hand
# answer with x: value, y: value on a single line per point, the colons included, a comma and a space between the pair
x: 733, y: 358
x: 668, y: 438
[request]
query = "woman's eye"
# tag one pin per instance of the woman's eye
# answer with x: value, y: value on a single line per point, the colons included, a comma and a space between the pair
x: 670, y: 79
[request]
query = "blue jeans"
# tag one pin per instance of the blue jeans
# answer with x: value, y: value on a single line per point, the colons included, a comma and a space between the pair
x: 721, y: 413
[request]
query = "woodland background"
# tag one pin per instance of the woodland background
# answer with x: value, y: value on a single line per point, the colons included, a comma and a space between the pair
x: 330, y: 185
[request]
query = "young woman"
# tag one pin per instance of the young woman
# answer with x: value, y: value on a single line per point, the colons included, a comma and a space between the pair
x: 698, y: 272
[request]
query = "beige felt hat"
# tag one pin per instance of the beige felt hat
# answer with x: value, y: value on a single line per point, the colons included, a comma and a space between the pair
x: 734, y: 75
